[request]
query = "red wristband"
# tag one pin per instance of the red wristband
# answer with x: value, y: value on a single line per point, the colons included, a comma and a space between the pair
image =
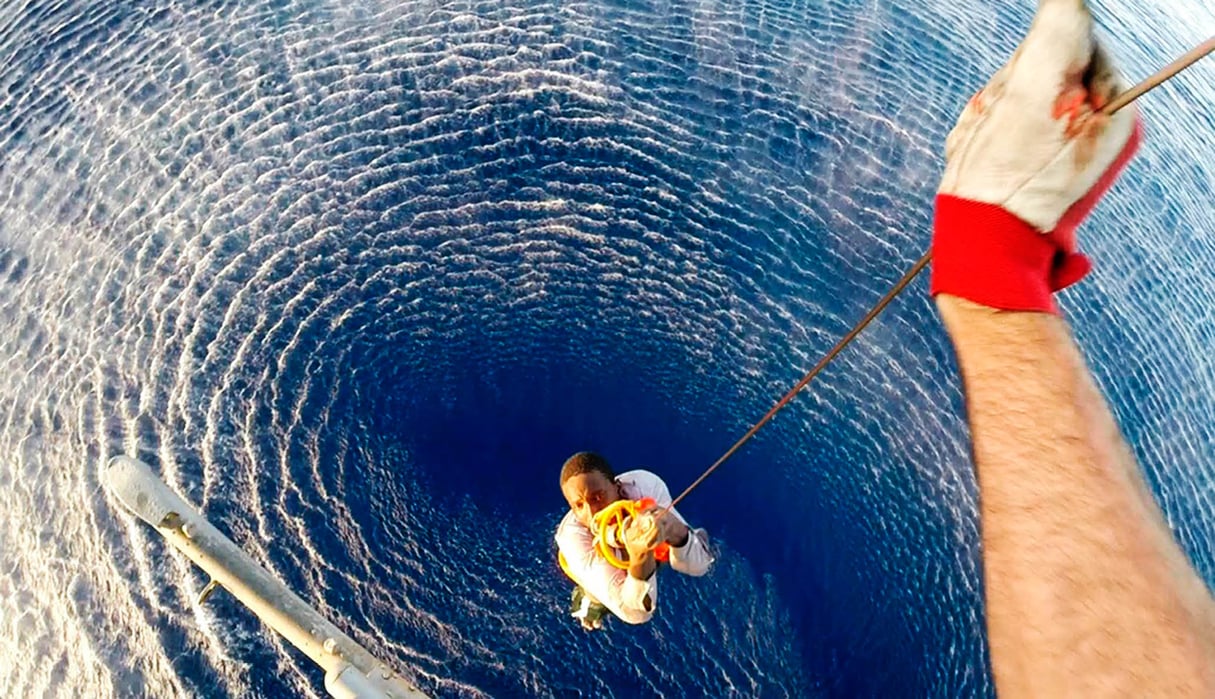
x: 985, y: 254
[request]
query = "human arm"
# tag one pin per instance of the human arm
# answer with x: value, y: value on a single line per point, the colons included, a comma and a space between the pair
x: 1087, y: 593
x: 640, y: 538
x: 689, y: 552
x: 629, y: 594
x: 693, y: 557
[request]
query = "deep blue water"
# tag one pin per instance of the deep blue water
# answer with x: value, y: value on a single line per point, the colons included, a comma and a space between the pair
x: 357, y: 279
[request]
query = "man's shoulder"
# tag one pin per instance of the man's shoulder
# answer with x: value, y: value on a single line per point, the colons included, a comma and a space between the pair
x: 566, y: 522
x: 642, y: 483
x: 639, y: 473
x: 570, y: 531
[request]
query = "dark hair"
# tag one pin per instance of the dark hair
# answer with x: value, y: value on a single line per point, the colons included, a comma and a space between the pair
x: 586, y: 462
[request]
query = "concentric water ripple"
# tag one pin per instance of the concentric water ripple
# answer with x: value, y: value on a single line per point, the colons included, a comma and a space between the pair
x: 356, y: 278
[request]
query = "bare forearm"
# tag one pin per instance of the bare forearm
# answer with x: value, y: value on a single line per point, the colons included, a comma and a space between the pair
x: 1087, y: 592
x: 642, y: 566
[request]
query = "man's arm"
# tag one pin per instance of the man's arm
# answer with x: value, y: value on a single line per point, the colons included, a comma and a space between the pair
x: 690, y: 553
x: 693, y: 556
x: 1088, y: 594
x: 630, y: 594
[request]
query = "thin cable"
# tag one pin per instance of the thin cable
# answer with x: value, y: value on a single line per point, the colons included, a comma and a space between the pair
x: 822, y: 363
x: 1186, y: 60
x: 1123, y: 99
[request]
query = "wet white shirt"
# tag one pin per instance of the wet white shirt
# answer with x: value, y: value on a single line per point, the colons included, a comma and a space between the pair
x: 627, y: 597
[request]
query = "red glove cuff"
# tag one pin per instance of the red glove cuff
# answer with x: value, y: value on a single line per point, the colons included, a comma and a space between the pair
x: 983, y: 253
x: 987, y: 255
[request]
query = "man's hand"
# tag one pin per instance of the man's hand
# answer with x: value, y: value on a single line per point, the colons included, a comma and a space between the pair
x: 670, y: 528
x: 1031, y: 153
x: 640, y: 537
x: 650, y: 527
x: 1033, y: 141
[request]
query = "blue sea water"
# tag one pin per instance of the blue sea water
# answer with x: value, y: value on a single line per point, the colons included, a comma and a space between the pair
x: 355, y: 278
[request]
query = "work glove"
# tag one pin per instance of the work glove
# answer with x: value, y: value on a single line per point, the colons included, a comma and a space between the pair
x: 1026, y: 162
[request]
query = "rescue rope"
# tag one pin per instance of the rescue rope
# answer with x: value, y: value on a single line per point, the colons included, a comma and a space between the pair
x: 1123, y: 99
x: 1186, y: 60
x: 610, y: 523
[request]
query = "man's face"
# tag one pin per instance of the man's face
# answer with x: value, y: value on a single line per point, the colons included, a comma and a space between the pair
x: 588, y: 493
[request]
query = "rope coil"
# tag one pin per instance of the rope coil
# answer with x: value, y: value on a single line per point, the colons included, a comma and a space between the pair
x: 611, y: 523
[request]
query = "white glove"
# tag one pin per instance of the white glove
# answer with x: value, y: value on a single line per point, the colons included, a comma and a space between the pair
x: 1031, y: 141
x: 1030, y: 151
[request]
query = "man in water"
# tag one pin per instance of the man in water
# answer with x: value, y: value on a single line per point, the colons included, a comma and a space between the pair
x: 590, y: 485
x: 1087, y: 593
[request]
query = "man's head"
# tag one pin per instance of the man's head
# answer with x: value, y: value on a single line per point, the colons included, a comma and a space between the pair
x: 589, y: 485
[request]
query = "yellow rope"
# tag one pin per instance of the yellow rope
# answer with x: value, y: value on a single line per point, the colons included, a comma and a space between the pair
x: 610, y: 525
